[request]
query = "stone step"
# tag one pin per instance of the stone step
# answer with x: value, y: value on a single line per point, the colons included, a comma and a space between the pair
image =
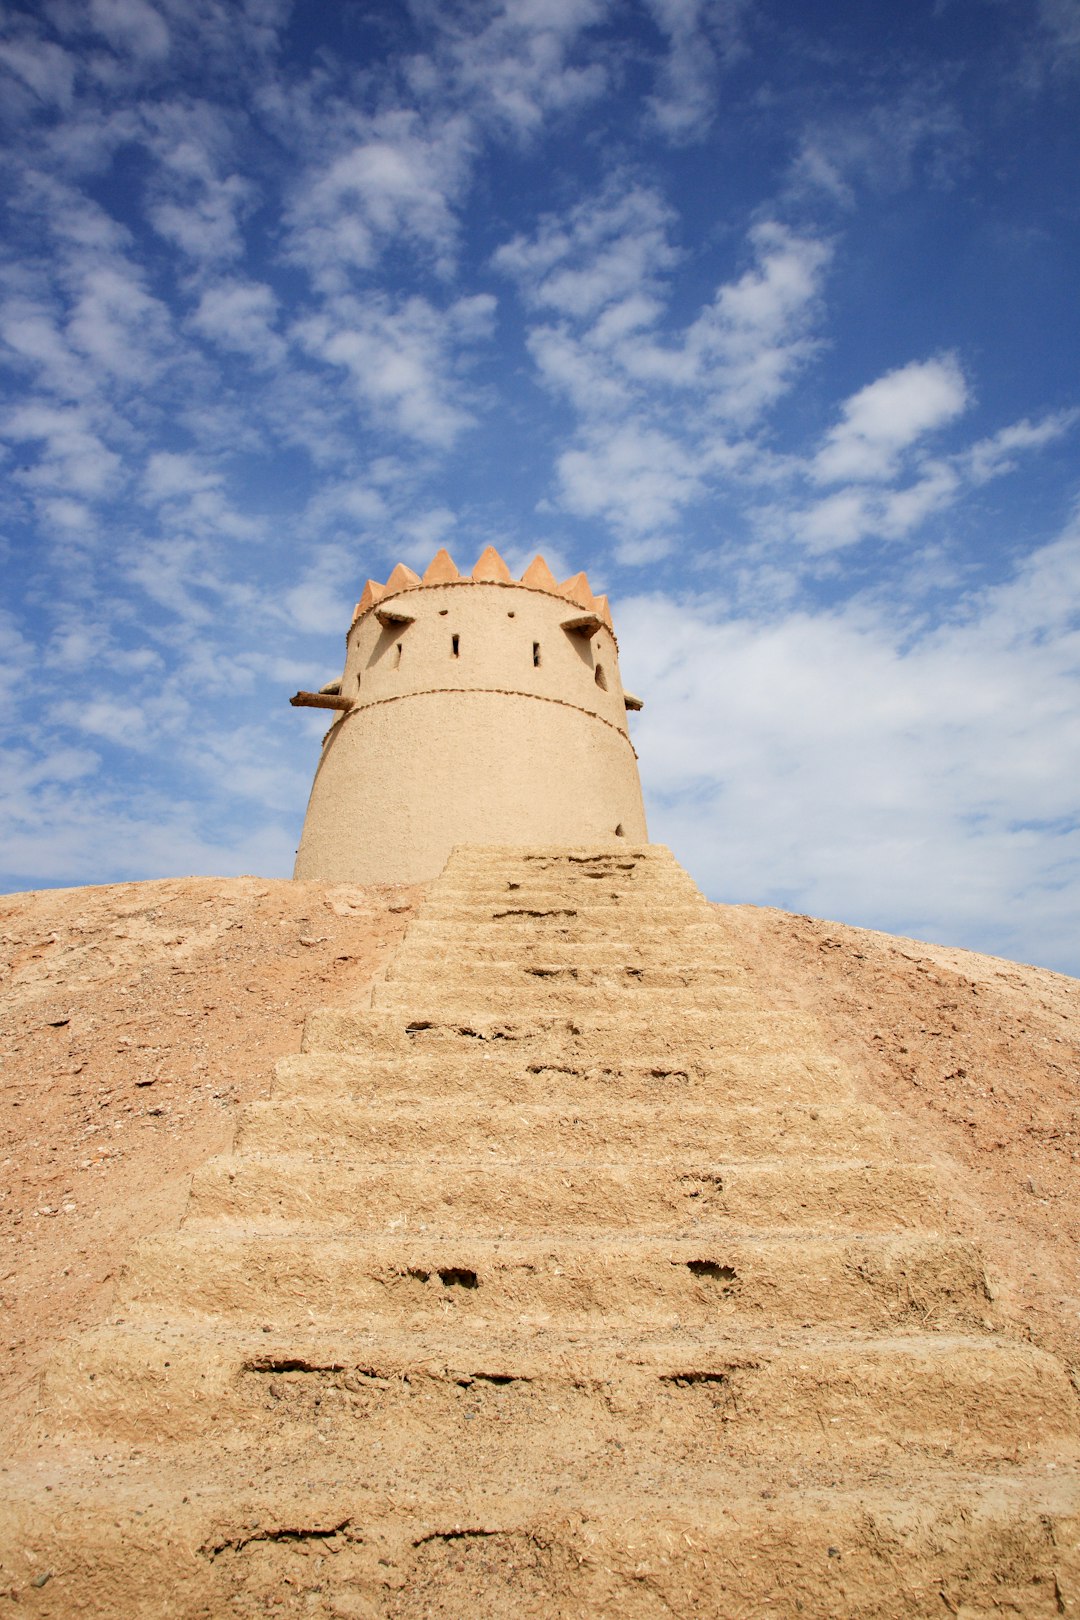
x: 504, y: 901
x: 670, y: 1405
x: 512, y: 938
x: 540, y: 1286
x: 627, y: 858
x: 701, y: 1039
x: 593, y: 956
x: 452, y: 1128
x: 517, y: 887
x: 615, y: 917
x: 513, y: 1197
x: 739, y: 1541
x: 463, y: 993
x: 495, y: 1072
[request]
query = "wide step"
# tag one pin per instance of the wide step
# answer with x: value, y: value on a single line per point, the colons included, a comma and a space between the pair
x: 443, y: 1068
x: 702, y: 1400
x: 763, y: 1543
x: 411, y: 1281
x: 375, y: 1130
x: 512, y: 1198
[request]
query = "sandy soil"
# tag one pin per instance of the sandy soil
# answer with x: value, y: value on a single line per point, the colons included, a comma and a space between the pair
x: 137, y: 1018
x: 980, y: 1059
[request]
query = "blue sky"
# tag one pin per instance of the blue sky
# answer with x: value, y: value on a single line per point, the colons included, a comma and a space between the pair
x: 765, y: 313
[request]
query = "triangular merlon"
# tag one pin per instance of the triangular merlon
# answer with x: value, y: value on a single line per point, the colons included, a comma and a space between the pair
x: 491, y: 569
x: 576, y: 589
x: 402, y: 579
x: 539, y: 576
x: 373, y: 592
x: 442, y: 569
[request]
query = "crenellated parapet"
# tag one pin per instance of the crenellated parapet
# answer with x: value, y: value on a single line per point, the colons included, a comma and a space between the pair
x: 490, y: 569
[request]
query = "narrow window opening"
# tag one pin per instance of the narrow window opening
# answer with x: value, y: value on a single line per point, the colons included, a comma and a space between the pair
x: 600, y: 678
x: 455, y: 645
x: 619, y: 833
x: 397, y: 655
x: 536, y: 655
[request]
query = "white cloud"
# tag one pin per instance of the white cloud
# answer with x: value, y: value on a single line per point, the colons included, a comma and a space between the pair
x: 517, y: 70
x: 324, y: 597
x: 64, y: 513
x: 855, y: 513
x: 240, y: 315
x: 170, y: 475
x: 117, y: 325
x: 47, y: 69
x: 402, y: 360
x: 888, y: 416
x: 397, y: 182
x: 635, y: 477
x: 208, y: 227
x: 890, y: 486
x: 603, y: 250
x: 1057, y: 52
x: 856, y: 764
x: 30, y: 330
x: 884, y: 146
x: 196, y: 199
x: 121, y: 723
x: 424, y: 533
x: 702, y: 35
x: 604, y: 263
x: 74, y: 461
x: 749, y: 343
x: 131, y: 25
x: 651, y: 404
x: 998, y: 454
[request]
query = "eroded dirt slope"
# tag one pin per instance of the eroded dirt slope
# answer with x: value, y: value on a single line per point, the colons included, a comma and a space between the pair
x: 982, y: 1058
x: 138, y: 1017
x: 135, y: 1019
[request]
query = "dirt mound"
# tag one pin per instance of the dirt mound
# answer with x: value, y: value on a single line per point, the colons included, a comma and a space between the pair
x: 600, y: 1259
x: 612, y: 1253
x: 981, y: 1060
x: 138, y: 1017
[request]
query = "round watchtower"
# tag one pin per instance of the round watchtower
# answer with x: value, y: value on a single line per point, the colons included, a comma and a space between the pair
x: 473, y: 709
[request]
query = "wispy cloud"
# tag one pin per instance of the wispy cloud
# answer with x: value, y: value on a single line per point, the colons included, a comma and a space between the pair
x: 859, y: 763
x: 394, y: 181
x: 654, y: 401
x: 403, y: 362
x: 887, y: 417
x: 702, y: 37
x: 521, y: 65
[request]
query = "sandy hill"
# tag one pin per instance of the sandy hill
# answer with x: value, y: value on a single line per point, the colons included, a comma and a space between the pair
x: 140, y: 1020
x: 138, y: 1017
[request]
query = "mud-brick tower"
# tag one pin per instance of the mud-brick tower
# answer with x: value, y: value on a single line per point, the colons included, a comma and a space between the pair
x: 473, y: 709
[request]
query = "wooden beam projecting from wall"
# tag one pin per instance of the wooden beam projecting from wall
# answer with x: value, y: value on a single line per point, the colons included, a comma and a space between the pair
x: 320, y: 700
x: 582, y: 624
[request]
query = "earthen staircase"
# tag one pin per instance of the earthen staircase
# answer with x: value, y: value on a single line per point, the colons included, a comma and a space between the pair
x: 572, y: 1278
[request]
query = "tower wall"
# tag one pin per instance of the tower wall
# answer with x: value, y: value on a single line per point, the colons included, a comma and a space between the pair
x: 482, y: 720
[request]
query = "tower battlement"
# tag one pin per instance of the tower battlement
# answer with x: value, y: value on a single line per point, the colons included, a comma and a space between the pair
x: 471, y: 709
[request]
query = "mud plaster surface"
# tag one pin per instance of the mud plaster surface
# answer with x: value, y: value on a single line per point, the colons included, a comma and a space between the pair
x: 138, y: 1018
